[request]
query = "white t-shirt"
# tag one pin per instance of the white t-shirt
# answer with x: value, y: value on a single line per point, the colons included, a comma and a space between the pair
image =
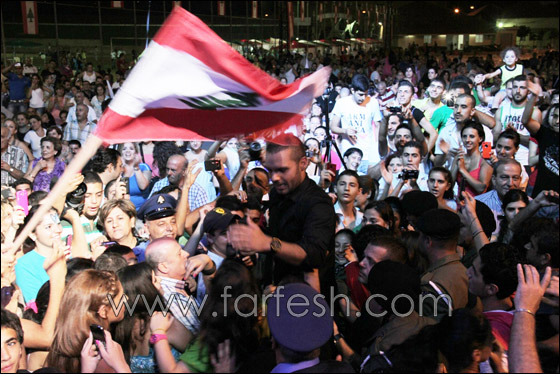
x: 360, y: 118
x: 34, y: 141
x: 36, y: 100
x: 509, y: 113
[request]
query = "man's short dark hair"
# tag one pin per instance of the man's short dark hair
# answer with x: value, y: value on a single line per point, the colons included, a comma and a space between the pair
x: 464, y: 79
x: 91, y: 177
x: 297, y: 147
x: 499, y: 266
x: 440, y: 80
x: 351, y: 173
x: 360, y: 83
x: 11, y: 321
x: 520, y: 78
x: 229, y: 202
x: 75, y: 142
x: 349, y: 152
x: 403, y: 126
x: 512, y: 135
x: 468, y: 96
x: 21, y: 181
x: 461, y: 85
x: 396, y: 251
x: 35, y: 197
x: 547, y: 238
x: 405, y: 83
x: 118, y: 249
x: 367, y: 185
x: 102, y: 158
x: 414, y: 144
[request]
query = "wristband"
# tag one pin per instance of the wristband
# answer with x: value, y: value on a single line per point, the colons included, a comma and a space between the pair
x: 157, y: 337
x: 337, y: 338
x: 520, y: 310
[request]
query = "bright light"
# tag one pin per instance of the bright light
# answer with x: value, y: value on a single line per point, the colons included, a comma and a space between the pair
x: 456, y: 10
x: 363, y: 11
x: 297, y: 38
x: 266, y: 15
x: 472, y: 6
x: 380, y: 24
x: 500, y: 25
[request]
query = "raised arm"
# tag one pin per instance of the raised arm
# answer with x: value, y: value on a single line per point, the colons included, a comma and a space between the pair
x: 383, y: 146
x: 527, y: 120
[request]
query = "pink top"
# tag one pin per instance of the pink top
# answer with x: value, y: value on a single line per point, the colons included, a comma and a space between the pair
x: 475, y: 174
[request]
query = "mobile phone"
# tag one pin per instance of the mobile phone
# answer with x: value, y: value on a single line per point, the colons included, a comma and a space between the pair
x: 212, y: 165
x: 98, y: 333
x: 331, y: 167
x: 69, y: 240
x: 126, y: 180
x: 486, y: 150
x: 108, y: 244
x: 22, y: 201
x: 461, y: 189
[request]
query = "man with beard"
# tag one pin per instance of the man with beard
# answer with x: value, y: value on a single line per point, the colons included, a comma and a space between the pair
x: 510, y: 114
x: 176, y: 172
x: 449, y: 141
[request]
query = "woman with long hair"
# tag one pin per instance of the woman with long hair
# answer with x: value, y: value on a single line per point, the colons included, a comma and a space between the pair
x: 138, y: 173
x: 470, y: 170
x: 35, y: 94
x: 85, y: 302
x: 512, y: 203
x: 380, y: 213
x: 440, y: 183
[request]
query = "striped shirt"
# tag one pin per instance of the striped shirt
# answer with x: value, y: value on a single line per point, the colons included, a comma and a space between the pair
x: 183, y: 306
x: 92, y: 233
x: 197, y: 194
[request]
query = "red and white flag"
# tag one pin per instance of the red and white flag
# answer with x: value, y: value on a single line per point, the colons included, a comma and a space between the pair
x: 29, y: 17
x: 255, y: 9
x: 320, y: 12
x: 190, y: 84
x: 117, y: 4
x: 221, y: 8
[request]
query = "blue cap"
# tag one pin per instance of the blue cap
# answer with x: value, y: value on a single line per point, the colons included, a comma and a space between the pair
x: 299, y: 318
x: 158, y: 206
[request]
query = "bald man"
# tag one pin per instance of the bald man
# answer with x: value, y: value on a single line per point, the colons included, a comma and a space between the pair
x: 176, y: 171
x: 173, y: 266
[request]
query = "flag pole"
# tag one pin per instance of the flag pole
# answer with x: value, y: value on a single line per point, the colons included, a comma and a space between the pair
x: 76, y: 165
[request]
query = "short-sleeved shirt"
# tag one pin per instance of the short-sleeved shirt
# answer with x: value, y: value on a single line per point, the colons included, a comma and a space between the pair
x: 73, y: 132
x: 30, y: 275
x: 136, y: 194
x: 197, y: 195
x: 362, y: 119
x: 91, y: 233
x: 34, y: 140
x: 42, y: 181
x: 18, y: 86
x: 511, y: 114
x: 440, y: 117
x: 16, y: 158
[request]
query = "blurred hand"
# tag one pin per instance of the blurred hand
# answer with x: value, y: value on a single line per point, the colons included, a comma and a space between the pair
x: 160, y: 323
x: 96, y: 248
x: 224, y: 362
x: 547, y: 198
x: 55, y: 263
x: 113, y: 355
x: 90, y: 356
x: 350, y: 254
x: 196, y: 264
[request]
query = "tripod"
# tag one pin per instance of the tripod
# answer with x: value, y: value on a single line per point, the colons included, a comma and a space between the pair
x: 329, y: 139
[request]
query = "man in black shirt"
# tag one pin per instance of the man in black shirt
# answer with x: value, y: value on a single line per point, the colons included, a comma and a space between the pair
x: 302, y: 221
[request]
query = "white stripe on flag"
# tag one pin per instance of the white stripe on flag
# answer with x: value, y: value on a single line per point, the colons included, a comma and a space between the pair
x: 151, y: 86
x: 29, y: 15
x: 255, y: 10
x: 116, y: 4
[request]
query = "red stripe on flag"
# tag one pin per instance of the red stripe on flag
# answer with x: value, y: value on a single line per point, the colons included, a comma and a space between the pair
x: 185, y: 32
x: 116, y: 4
x: 290, y: 23
x: 302, y: 10
x: 171, y: 124
x: 29, y: 17
x: 255, y: 9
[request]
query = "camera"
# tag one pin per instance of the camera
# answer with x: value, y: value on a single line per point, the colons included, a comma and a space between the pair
x: 450, y: 103
x: 309, y: 153
x: 255, y: 149
x: 212, y: 165
x: 409, y: 174
x: 395, y: 109
x: 75, y: 199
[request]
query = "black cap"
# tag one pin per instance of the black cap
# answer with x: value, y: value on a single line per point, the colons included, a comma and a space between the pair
x: 418, y: 202
x: 439, y: 223
x: 218, y: 219
x: 299, y: 318
x: 158, y: 206
x: 392, y: 279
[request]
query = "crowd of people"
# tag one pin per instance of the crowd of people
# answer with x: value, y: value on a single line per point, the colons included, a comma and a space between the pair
x: 410, y: 224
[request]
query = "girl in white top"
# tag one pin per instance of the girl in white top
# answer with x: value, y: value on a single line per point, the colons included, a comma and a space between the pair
x: 35, y: 94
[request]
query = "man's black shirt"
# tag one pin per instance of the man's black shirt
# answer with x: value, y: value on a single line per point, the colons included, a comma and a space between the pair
x: 304, y: 217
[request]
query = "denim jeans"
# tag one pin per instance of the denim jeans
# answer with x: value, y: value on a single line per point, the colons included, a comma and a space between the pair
x: 17, y: 107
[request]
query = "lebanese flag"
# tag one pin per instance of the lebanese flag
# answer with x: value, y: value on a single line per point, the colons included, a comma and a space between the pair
x: 302, y: 11
x: 117, y: 4
x: 29, y: 17
x: 221, y: 8
x: 189, y: 84
x: 290, y: 8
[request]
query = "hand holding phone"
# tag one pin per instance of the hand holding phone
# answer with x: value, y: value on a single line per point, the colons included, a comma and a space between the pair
x: 98, y: 333
x: 486, y: 150
x: 22, y: 201
x: 212, y: 165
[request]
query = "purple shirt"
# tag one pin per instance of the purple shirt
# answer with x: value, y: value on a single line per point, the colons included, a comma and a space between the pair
x: 42, y: 181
